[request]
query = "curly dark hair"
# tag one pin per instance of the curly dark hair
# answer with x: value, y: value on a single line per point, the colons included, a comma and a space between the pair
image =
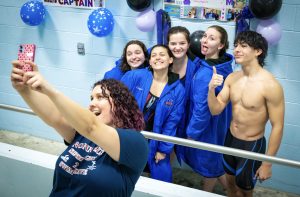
x: 126, y: 112
x: 256, y: 41
x: 124, y: 65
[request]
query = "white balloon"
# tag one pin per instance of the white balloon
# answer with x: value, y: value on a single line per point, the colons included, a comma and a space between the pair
x: 146, y: 20
x: 271, y: 30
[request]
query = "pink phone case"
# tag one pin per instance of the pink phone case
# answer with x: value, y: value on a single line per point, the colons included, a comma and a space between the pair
x: 26, y: 52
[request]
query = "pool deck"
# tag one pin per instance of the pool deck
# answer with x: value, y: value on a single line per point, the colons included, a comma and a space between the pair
x: 180, y: 176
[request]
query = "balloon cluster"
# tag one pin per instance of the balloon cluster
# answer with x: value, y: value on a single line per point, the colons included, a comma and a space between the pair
x: 32, y: 13
x: 145, y: 20
x: 265, y: 10
x: 100, y: 22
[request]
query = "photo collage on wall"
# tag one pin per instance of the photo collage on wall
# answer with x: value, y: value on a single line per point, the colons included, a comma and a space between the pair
x: 222, y: 10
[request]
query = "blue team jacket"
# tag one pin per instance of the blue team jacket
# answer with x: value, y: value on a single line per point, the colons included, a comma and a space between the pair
x: 169, y: 108
x: 190, y: 72
x: 191, y: 69
x: 202, y: 125
x: 115, y: 72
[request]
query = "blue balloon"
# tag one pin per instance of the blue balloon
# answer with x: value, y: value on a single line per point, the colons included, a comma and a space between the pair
x: 33, y: 13
x: 101, y: 22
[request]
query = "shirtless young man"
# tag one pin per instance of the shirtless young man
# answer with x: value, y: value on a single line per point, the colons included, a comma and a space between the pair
x: 256, y: 97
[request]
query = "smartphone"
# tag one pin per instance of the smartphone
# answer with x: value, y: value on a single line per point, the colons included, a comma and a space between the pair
x: 26, y: 52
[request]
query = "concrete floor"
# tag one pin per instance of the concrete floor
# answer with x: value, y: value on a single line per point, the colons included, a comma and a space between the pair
x: 182, y: 177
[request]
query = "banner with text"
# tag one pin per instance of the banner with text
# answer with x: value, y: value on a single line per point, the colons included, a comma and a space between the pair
x: 85, y: 4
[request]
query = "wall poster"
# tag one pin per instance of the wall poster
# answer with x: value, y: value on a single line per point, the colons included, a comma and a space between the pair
x: 222, y: 10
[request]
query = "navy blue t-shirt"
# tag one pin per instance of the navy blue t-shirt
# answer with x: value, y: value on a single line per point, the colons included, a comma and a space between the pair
x: 85, y: 169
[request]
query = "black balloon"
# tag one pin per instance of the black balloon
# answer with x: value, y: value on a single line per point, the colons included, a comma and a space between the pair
x: 195, y: 43
x: 265, y: 9
x: 139, y: 5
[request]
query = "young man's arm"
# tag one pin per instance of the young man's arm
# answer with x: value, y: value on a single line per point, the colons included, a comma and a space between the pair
x: 275, y: 106
x: 217, y: 104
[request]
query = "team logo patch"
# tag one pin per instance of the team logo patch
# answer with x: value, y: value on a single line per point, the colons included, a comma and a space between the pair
x: 169, y: 102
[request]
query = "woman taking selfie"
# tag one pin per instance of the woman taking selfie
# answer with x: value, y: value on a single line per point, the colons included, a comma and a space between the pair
x: 106, y: 154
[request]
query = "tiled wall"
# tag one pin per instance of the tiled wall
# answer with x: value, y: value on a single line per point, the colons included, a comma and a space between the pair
x: 57, y: 57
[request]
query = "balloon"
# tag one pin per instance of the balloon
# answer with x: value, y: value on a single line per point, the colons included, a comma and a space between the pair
x: 271, y: 30
x: 101, y: 22
x: 32, y: 13
x: 265, y: 9
x: 139, y: 5
x: 195, y: 44
x: 146, y: 20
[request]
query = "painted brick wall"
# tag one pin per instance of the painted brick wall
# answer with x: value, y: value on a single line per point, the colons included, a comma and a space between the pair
x: 283, y: 62
x: 73, y: 74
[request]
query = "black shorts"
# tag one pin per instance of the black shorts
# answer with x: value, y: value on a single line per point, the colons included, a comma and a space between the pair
x: 243, y: 169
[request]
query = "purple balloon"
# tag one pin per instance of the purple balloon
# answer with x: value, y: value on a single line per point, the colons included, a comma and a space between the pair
x: 146, y: 20
x: 271, y: 30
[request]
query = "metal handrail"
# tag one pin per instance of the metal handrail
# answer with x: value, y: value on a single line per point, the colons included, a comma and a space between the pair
x: 17, y: 109
x: 194, y: 144
x: 221, y: 149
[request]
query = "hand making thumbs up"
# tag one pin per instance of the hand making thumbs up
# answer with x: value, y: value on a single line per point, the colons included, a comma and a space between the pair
x: 216, y: 79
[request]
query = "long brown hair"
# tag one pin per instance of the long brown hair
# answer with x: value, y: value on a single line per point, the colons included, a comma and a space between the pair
x: 125, y: 66
x: 224, y: 38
